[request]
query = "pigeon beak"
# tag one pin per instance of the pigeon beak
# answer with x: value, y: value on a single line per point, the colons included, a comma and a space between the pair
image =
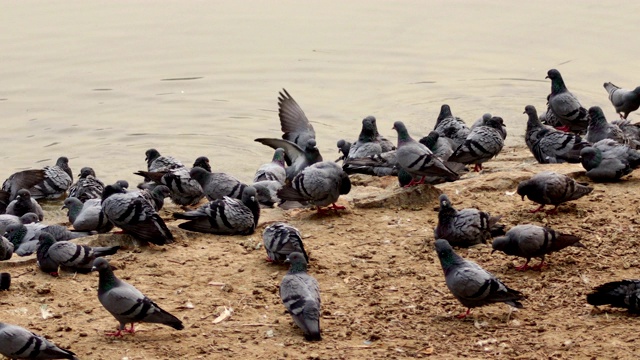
x: 492, y: 251
x: 546, y: 77
x: 63, y: 207
x: 93, y: 268
x: 287, y: 260
x: 524, y: 112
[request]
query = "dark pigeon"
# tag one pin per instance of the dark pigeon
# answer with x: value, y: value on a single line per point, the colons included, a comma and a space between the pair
x: 551, y: 188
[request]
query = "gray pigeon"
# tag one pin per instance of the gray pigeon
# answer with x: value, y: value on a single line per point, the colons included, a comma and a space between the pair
x: 217, y: 185
x: 565, y: 105
x: 439, y: 145
x: 300, y: 294
x: 483, y: 121
x: 625, y: 101
x: 529, y: 241
x: 19, y: 343
x: 343, y: 149
x: 58, y: 179
x: 156, y: 196
x: 297, y: 157
x: 548, y: 187
x: 267, y: 192
x: 6, y: 248
x: 600, y: 169
x: 134, y: 215
x: 611, y: 149
x: 126, y: 303
x: 600, y: 129
x: 88, y: 216
x: 184, y: 190
x: 79, y: 258
x: 88, y: 186
x: 451, y: 127
x: 23, y: 204
x: 548, y: 145
x: 366, y: 144
x: 6, y: 220
x: 382, y: 164
x: 472, y: 285
x: 273, y: 171
x: 157, y: 162
x: 21, y: 180
x: 631, y: 131
x: 224, y: 216
x: 621, y: 294
x: 25, y: 236
x: 466, y: 227
x: 280, y: 240
x: 319, y: 184
x: 294, y: 124
x: 483, y: 143
x: 417, y: 160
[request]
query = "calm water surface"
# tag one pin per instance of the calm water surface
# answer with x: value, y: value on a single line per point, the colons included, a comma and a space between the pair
x: 101, y: 82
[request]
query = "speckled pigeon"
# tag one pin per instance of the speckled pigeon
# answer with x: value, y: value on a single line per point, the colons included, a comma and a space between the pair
x: 621, y: 294
x: 530, y: 241
x: 472, y: 285
x: 52, y: 254
x: 88, y: 186
x: 548, y: 187
x: 280, y: 240
x: 217, y: 185
x: 565, y: 105
x: 600, y: 129
x: 300, y: 294
x: 319, y: 184
x: 483, y: 143
x: 157, y: 162
x: 58, y: 179
x: 19, y: 343
x: 451, y: 127
x: 126, y: 303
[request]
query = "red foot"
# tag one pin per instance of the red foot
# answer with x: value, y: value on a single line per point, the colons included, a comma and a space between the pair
x: 564, y: 128
x: 539, y: 266
x: 523, y: 267
x: 477, y: 168
x: 54, y: 274
x: 333, y: 207
x: 552, y: 211
x: 117, y: 333
x: 463, y: 315
x: 119, y: 232
x: 131, y: 330
x: 537, y: 209
x: 268, y: 260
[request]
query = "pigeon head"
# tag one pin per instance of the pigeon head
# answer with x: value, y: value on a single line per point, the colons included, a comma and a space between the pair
x: 344, y: 147
x: 100, y: 264
x: 553, y: 74
x: 430, y: 140
x: 525, y: 187
x: 24, y: 194
x: 62, y: 161
x: 636, y: 90
x: 445, y: 204
x: 199, y: 174
x: 590, y: 157
x: 557, y: 84
x: 124, y: 184
x: 151, y: 155
x: 202, y: 162
x: 71, y: 203
x: 502, y: 243
x: 45, y: 239
x: 278, y: 156
x: 596, y: 117
x: 495, y: 122
x: 161, y: 191
x: 112, y: 189
x: 86, y: 171
x: 250, y: 200
x: 445, y: 252
x: 531, y: 111
x: 249, y: 194
x: 486, y: 117
x: 403, y: 134
x: 369, y: 130
x: 29, y: 218
x: 445, y: 112
x: 311, y: 145
x: 298, y: 262
x: 16, y: 233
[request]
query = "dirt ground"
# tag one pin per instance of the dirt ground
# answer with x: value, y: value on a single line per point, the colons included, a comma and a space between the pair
x: 382, y: 287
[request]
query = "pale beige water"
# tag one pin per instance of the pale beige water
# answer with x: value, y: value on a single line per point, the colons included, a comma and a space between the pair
x: 88, y: 79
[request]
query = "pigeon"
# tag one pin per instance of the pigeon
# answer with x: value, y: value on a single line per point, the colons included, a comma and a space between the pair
x: 25, y: 236
x: 451, y: 127
x: 58, y: 179
x: 466, y: 227
x: 600, y: 129
x: 319, y: 184
x: 280, y: 240
x: 23, y: 204
x: 621, y: 294
x: 6, y: 220
x: 5, y: 283
x: 21, y: 180
x: 156, y: 196
x: 483, y: 121
x: 613, y: 150
x: 631, y: 131
x: 224, y: 216
x: 184, y: 190
x: 6, y: 248
x: 157, y: 162
x: 472, y: 285
x: 625, y: 101
x: 600, y: 169
x: 300, y: 294
x: 294, y: 124
x: 343, y: 149
x: 134, y: 215
x: 548, y: 145
x: 267, y: 192
x: 19, y: 343
x: 417, y: 160
x: 529, y: 241
x: 273, y: 171
x: 126, y: 303
x: 366, y: 144
x: 482, y: 143
x: 382, y: 164
x: 297, y: 157
x: 548, y: 187
x: 439, y: 145
x: 565, y: 105
x: 79, y: 258
x: 88, y: 186
x: 217, y: 185
x: 88, y: 216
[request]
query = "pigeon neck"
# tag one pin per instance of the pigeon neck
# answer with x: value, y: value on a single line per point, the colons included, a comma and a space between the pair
x: 533, y: 122
x: 44, y: 244
x: 597, y: 122
x: 367, y: 135
x: 107, y: 280
x: 446, y: 214
x: 298, y: 267
x: 17, y: 236
x: 557, y: 86
x: 448, y: 260
x: 74, y: 211
x: 254, y: 206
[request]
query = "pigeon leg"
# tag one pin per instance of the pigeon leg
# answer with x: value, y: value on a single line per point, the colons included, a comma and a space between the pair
x: 564, y: 128
x: 536, y: 210
x: 116, y: 333
x: 421, y: 181
x: 337, y: 207
x: 131, y: 330
x: 119, y: 232
x: 523, y: 267
x: 411, y: 183
x: 463, y: 315
x: 552, y: 211
x: 539, y: 266
x: 477, y: 168
x: 268, y: 260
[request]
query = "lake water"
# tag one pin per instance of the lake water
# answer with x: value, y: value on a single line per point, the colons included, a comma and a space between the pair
x: 103, y: 81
